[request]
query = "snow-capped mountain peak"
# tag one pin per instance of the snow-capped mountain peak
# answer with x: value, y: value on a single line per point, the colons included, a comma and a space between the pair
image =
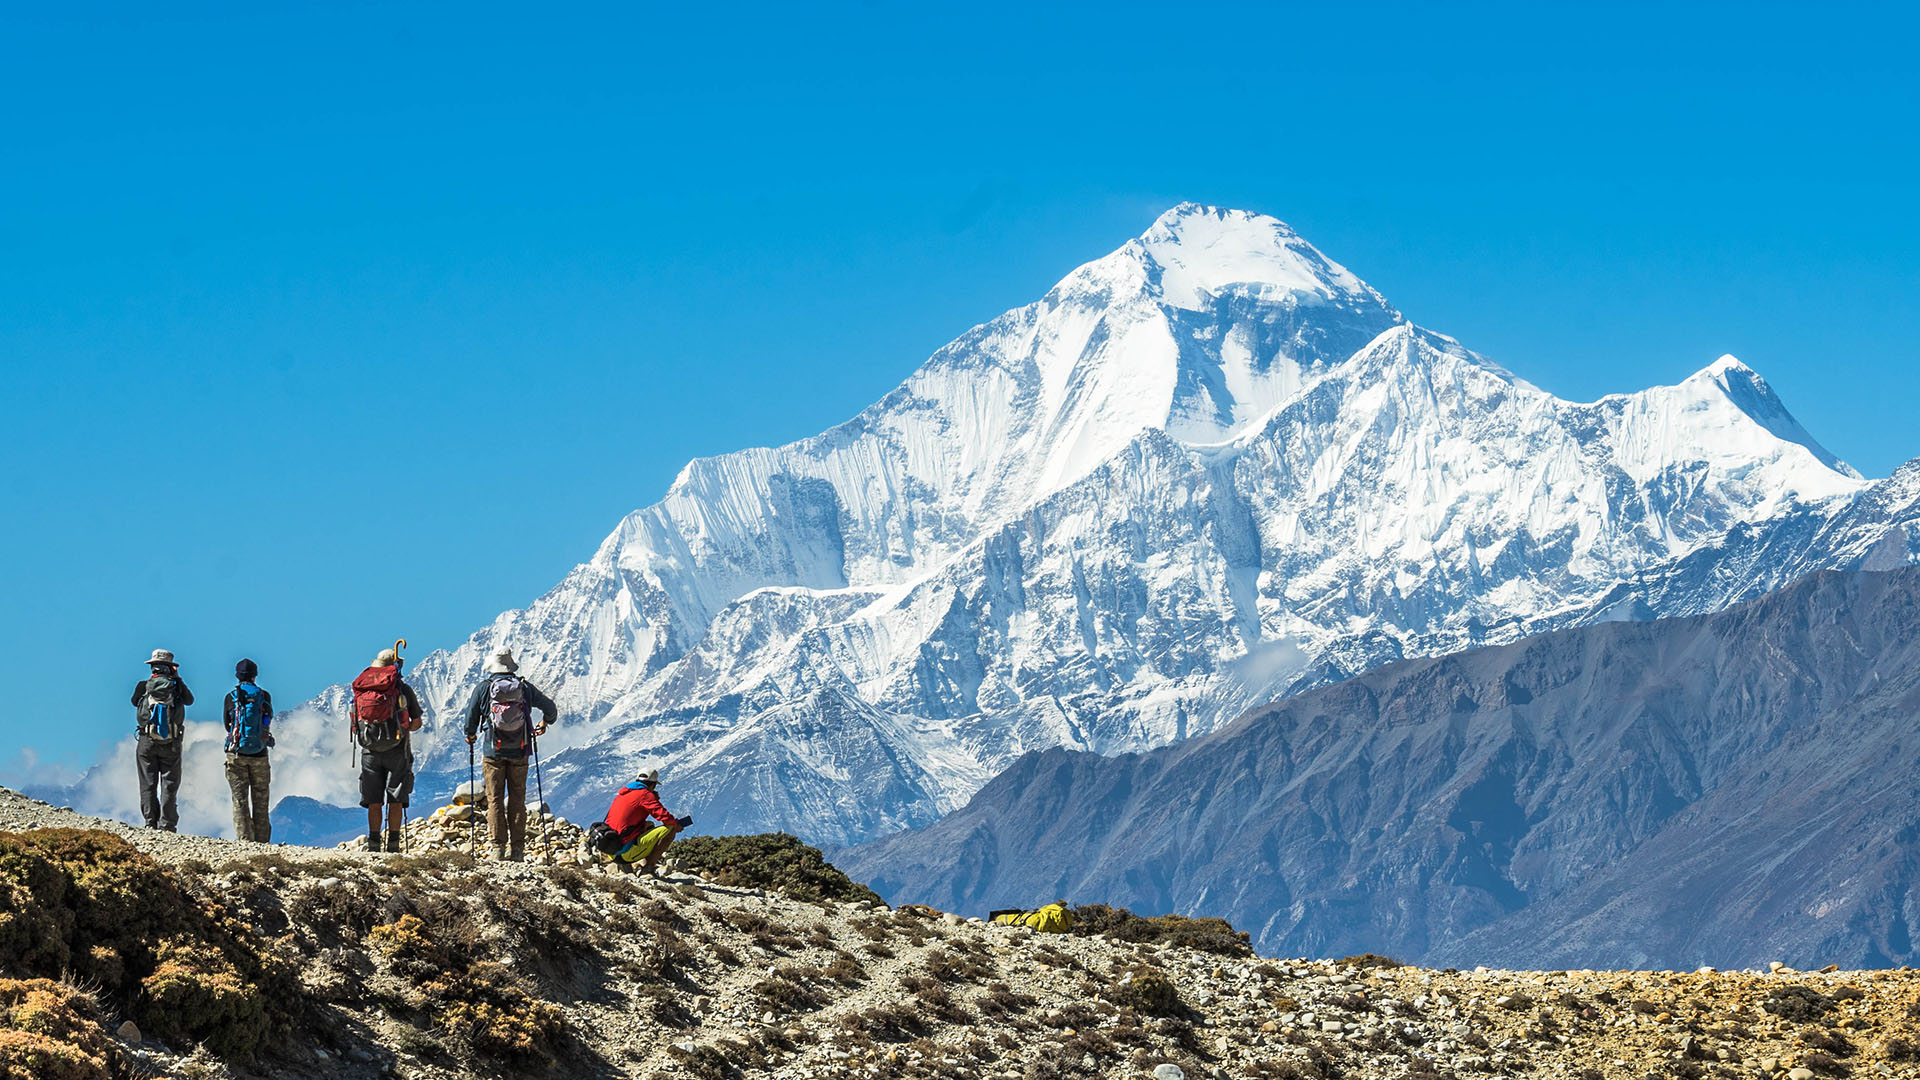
x: 1196, y: 254
x: 1203, y: 469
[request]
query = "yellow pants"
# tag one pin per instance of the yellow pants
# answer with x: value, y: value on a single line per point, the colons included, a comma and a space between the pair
x: 644, y: 846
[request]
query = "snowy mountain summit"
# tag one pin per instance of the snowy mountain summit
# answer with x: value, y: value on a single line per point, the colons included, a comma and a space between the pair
x: 1206, y: 470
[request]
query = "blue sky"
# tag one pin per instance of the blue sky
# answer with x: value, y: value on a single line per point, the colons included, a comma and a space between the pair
x: 332, y: 324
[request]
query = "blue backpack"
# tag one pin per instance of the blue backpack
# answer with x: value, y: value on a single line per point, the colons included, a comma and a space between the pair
x: 161, y: 713
x: 249, y: 732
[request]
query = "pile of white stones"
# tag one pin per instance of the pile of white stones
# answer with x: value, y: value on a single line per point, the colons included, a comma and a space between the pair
x: 461, y: 826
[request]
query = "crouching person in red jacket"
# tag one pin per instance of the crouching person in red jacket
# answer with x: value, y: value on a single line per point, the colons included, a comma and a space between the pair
x: 628, y: 818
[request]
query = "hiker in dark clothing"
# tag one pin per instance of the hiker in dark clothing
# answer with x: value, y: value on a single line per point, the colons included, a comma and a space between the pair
x: 629, y: 816
x: 503, y: 705
x: 161, y: 700
x: 248, y: 715
x: 384, y: 713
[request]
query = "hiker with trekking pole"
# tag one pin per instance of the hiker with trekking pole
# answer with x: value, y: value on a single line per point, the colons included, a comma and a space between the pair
x: 384, y: 713
x: 503, y: 706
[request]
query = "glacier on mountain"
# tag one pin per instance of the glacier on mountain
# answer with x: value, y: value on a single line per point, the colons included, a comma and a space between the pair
x: 1207, y: 470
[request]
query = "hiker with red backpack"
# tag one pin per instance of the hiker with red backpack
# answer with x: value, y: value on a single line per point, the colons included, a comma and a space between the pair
x: 161, y: 700
x: 248, y: 714
x: 627, y: 837
x: 384, y: 712
x: 503, y: 705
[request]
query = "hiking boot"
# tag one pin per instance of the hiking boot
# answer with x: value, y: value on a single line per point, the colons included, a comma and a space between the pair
x: 517, y: 854
x: 373, y: 843
x: 393, y: 840
x: 500, y: 853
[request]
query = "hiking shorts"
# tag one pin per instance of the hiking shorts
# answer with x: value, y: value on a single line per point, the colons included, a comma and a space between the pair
x: 386, y: 776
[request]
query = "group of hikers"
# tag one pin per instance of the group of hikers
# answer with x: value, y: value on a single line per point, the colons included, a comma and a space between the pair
x: 383, y: 714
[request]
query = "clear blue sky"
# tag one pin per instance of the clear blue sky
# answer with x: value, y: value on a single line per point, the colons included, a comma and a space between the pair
x: 324, y: 324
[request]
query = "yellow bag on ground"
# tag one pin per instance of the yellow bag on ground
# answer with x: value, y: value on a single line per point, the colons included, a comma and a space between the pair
x: 1052, y: 919
x: 644, y: 846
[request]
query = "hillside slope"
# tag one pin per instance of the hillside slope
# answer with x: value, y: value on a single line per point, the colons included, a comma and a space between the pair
x: 1723, y: 790
x: 288, y: 963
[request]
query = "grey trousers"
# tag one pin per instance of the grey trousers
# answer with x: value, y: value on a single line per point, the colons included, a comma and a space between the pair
x: 249, y: 778
x: 159, y: 763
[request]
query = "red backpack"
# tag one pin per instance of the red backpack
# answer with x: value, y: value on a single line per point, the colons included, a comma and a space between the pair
x: 377, y: 716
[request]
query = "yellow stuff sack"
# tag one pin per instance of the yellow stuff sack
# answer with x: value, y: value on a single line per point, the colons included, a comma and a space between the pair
x: 1052, y: 919
x: 642, y: 847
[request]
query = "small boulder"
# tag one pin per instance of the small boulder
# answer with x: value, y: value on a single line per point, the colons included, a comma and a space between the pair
x: 1167, y: 1070
x: 128, y: 1032
x: 472, y: 793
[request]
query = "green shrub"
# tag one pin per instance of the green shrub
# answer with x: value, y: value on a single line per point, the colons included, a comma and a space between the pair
x: 1150, y: 991
x: 1206, y: 934
x: 775, y: 862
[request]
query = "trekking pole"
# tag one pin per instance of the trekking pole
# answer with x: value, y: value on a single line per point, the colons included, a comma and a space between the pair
x: 473, y: 835
x: 546, y: 850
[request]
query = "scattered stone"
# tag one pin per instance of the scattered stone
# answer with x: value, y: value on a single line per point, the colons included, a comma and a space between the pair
x: 1169, y: 1071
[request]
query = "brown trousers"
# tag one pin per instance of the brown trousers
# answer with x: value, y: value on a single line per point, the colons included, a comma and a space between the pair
x: 506, y: 782
x: 249, y: 779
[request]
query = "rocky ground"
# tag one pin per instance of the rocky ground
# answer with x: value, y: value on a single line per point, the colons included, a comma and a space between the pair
x: 327, y: 962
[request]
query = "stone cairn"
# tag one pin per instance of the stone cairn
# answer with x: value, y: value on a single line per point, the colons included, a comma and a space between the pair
x: 461, y: 826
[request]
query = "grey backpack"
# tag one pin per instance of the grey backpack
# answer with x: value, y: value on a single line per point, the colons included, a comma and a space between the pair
x: 507, y: 712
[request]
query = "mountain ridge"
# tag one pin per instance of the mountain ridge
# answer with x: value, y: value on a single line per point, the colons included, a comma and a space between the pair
x: 1718, y: 789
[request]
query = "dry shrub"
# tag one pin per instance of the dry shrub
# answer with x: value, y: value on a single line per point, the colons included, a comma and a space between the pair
x: 886, y: 1023
x: 1148, y: 990
x: 196, y: 992
x: 52, y: 1031
x: 1371, y: 960
x: 86, y: 902
x: 1207, y: 934
x: 1797, y: 1003
x: 489, y: 1009
x: 789, y: 991
x: 481, y: 1008
x: 845, y: 970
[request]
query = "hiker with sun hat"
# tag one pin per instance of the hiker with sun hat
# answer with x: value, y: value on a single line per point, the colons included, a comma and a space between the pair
x: 161, y: 701
x: 500, y: 721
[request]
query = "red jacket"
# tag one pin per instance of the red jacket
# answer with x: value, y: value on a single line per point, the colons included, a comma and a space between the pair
x: 632, y: 807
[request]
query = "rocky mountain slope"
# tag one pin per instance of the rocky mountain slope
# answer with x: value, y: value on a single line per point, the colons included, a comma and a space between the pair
x: 126, y: 953
x: 1723, y: 789
x: 1206, y: 470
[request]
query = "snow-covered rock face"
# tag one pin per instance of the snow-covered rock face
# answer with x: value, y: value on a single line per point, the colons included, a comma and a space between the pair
x: 1207, y: 469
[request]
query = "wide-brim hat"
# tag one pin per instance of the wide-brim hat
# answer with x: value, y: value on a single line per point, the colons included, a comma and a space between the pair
x: 502, y: 663
x: 161, y: 656
x: 387, y: 658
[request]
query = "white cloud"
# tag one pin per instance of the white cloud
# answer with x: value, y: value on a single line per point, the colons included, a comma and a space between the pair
x: 27, y: 770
